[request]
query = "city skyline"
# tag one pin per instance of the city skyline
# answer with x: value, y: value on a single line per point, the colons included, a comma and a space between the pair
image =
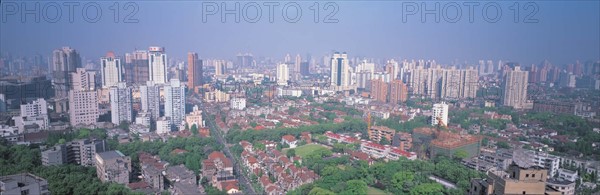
x: 565, y: 32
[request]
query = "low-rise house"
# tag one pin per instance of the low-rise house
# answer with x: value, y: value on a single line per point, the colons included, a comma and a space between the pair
x: 289, y: 140
x: 23, y: 183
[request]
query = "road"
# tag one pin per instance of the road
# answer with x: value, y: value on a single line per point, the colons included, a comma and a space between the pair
x: 218, y: 134
x: 445, y: 183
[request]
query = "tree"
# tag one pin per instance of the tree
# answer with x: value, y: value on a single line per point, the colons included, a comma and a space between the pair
x: 290, y: 153
x: 400, y: 178
x: 355, y: 187
x: 384, y: 141
x: 503, y: 145
x: 427, y: 188
x: 194, y: 129
x: 320, y: 191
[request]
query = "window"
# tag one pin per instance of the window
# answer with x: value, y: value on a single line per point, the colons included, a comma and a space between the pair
x: 526, y: 175
x: 532, y: 175
x: 524, y: 192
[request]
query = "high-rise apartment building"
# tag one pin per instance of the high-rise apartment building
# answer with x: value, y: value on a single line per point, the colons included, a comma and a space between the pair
x: 121, y: 104
x: 379, y: 90
x: 83, y: 80
x: 439, y: 114
x: 175, y: 102
x: 157, y: 61
x: 194, y: 71
x: 515, y: 88
x: 150, y: 99
x: 112, y: 70
x: 398, y: 92
x: 283, y: 74
x: 220, y: 67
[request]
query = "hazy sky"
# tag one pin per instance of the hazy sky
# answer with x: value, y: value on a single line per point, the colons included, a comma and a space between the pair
x: 566, y: 31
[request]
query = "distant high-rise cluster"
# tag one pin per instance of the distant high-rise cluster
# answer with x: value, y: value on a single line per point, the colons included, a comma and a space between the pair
x: 441, y: 83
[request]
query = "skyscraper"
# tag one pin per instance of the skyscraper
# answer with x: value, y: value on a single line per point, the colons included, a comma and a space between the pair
x: 150, y: 98
x: 175, y: 102
x: 440, y: 113
x: 157, y: 61
x: 137, y: 70
x: 515, y: 88
x: 339, y: 70
x: 194, y: 71
x: 83, y: 99
x: 398, y: 92
x: 283, y: 74
x: 297, y: 63
x: 120, y: 104
x: 64, y: 61
x: 112, y: 70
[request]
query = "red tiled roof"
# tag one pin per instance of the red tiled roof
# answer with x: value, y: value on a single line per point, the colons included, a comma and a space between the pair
x: 289, y: 138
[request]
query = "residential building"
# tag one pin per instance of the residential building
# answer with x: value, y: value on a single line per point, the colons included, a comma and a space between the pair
x: 379, y: 90
x: 83, y: 80
x: 150, y: 99
x: 175, y: 102
x: 121, y: 104
x: 113, y: 166
x: 283, y: 74
x: 515, y: 88
x: 440, y: 114
x: 290, y: 140
x: 398, y: 92
x: 112, y: 70
x: 163, y: 125
x: 195, y: 118
x: 157, y: 61
x: 568, y: 175
x: 34, y: 113
x: 152, y: 169
x: 79, y: 152
x: 238, y: 103
x: 220, y: 67
x: 377, y: 133
x: 83, y: 99
x: 515, y: 180
x: 23, y: 183
x: 563, y: 186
